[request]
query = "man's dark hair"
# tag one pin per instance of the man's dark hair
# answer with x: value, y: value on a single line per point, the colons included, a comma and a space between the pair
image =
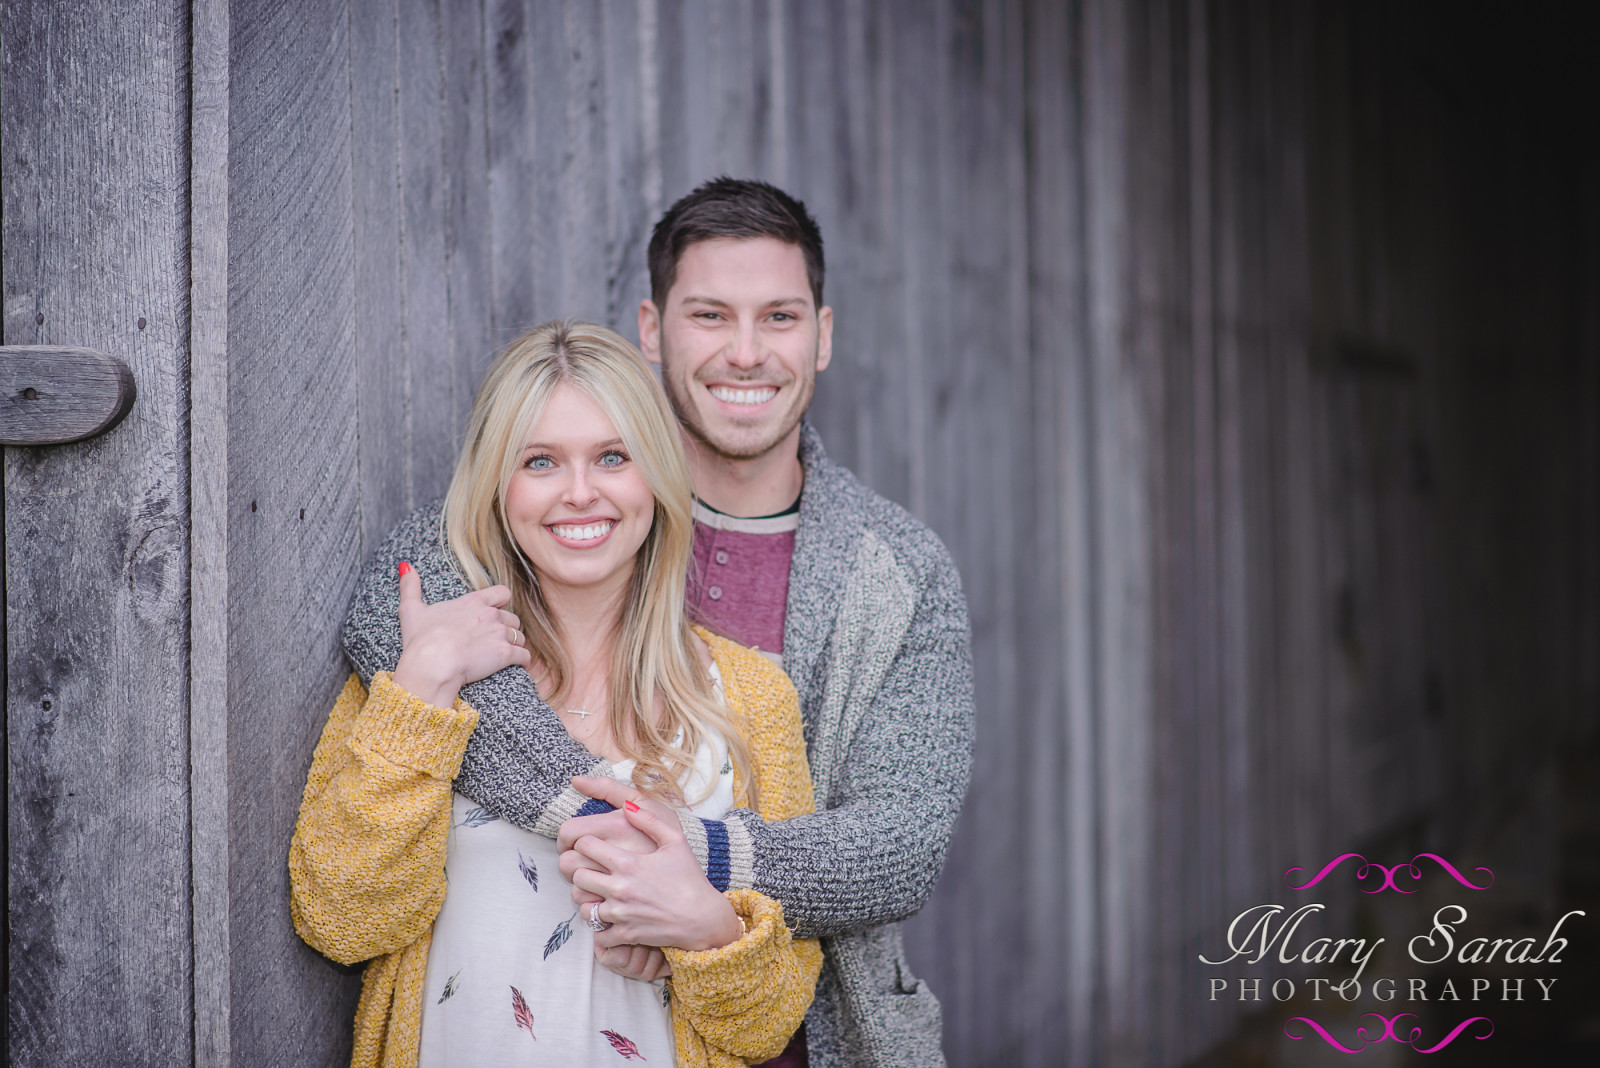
x: 732, y: 207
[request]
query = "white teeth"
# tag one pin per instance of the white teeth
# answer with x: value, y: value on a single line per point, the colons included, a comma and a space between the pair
x: 587, y: 532
x: 744, y: 396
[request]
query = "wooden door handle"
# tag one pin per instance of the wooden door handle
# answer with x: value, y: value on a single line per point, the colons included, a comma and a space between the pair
x: 49, y: 396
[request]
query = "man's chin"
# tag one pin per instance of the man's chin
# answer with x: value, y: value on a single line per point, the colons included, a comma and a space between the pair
x: 742, y: 442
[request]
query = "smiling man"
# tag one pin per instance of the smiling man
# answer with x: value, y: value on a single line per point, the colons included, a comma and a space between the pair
x: 857, y: 600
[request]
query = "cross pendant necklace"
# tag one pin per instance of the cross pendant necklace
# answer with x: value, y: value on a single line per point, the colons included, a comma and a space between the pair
x: 583, y: 712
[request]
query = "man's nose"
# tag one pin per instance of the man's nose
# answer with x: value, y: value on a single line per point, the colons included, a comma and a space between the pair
x: 746, y: 353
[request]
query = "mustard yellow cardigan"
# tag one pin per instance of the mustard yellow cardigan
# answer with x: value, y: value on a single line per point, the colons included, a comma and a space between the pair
x: 366, y: 869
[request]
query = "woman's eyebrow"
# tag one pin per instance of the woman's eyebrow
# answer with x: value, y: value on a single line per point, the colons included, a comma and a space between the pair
x: 608, y: 443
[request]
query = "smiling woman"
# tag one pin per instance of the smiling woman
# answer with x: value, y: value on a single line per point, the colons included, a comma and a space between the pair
x: 577, y: 505
x: 569, y: 517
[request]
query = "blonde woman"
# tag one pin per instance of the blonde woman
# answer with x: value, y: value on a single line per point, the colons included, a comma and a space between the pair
x: 569, y: 515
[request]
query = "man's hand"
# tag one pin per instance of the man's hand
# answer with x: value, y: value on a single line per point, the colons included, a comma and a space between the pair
x: 610, y: 827
x: 659, y: 897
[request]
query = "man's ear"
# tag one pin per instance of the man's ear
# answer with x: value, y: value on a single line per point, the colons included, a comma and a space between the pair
x: 650, y: 330
x: 824, y: 337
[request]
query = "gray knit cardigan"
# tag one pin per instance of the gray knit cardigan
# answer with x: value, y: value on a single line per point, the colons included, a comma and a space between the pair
x: 876, y: 641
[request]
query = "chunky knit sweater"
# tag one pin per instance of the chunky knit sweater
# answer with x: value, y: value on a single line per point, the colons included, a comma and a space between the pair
x: 876, y: 640
x: 367, y: 869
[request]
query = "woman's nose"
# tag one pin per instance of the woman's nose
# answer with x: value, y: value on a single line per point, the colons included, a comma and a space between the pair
x: 580, y: 490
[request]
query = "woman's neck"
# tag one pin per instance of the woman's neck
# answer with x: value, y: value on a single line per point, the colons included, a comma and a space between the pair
x: 586, y: 619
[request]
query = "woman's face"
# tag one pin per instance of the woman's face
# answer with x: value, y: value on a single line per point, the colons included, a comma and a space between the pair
x: 577, y: 504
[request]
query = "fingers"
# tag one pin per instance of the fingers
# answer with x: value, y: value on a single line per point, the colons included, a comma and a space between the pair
x: 659, y: 830
x: 595, y: 883
x: 609, y: 826
x: 571, y: 860
x: 605, y: 858
x: 602, y: 788
x: 495, y: 596
x: 633, y: 961
x: 410, y: 589
x: 576, y: 828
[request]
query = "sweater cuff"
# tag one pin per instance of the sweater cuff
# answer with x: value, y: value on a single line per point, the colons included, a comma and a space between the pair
x: 569, y: 803
x: 410, y: 732
x: 741, y: 852
x: 722, y: 847
x: 716, y: 972
x: 694, y: 829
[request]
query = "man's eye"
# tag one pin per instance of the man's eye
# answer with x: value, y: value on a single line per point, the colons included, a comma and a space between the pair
x: 783, y: 317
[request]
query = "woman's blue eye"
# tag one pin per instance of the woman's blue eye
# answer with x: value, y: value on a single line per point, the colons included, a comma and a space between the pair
x: 539, y: 463
x: 613, y: 459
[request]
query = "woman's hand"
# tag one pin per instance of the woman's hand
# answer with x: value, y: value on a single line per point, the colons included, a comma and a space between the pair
x: 660, y: 898
x: 645, y: 963
x: 444, y: 646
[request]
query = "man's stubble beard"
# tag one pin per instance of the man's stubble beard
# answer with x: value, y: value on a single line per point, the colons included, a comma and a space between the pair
x: 688, y: 419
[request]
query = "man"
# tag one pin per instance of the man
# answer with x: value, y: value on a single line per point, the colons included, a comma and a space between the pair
x: 858, y: 601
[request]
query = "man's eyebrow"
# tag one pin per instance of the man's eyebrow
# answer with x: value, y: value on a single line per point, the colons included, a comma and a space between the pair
x: 780, y: 302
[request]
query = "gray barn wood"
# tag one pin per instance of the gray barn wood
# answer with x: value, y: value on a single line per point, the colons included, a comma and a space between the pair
x: 96, y: 541
x: 1267, y: 452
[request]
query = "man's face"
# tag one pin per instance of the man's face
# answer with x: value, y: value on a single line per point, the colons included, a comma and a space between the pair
x: 740, y: 341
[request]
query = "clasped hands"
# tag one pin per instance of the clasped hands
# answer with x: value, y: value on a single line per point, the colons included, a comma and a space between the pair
x: 636, y: 865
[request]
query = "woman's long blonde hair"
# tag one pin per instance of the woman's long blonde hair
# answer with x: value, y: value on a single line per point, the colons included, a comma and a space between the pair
x: 651, y: 647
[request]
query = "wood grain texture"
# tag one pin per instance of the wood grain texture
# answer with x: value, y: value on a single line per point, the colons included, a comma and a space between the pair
x: 210, y: 833
x: 294, y: 531
x: 51, y: 396
x: 95, y: 255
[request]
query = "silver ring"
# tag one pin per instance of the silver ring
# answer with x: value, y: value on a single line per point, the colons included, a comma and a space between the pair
x: 596, y: 924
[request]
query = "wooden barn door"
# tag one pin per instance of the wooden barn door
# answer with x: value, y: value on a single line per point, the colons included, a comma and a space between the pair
x: 96, y: 255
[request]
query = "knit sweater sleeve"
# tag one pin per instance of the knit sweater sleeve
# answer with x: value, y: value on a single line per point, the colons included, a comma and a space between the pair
x: 520, y: 761
x: 743, y: 1001
x: 366, y: 864
x: 873, y: 855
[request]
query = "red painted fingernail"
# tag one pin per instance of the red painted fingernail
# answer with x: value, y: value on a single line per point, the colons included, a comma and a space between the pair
x: 631, y: 806
x: 405, y: 568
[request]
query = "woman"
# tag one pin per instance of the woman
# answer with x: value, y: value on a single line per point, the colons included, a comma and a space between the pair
x: 569, y: 514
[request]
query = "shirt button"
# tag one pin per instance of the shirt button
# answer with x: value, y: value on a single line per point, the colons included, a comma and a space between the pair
x: 715, y: 593
x: 722, y: 556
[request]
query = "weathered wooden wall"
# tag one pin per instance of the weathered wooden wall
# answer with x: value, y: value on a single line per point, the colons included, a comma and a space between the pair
x: 1174, y: 319
x: 96, y: 544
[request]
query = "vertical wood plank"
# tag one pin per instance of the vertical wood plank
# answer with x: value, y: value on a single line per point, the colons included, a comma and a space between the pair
x: 208, y: 531
x: 294, y: 531
x: 549, y: 86
x: 384, y: 418
x: 425, y: 189
x: 509, y: 102
x: 94, y: 235
x: 467, y: 214
x: 583, y: 194
x: 630, y: 158
x: 1122, y: 551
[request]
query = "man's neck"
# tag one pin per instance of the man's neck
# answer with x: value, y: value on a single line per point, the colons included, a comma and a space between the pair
x: 758, y: 486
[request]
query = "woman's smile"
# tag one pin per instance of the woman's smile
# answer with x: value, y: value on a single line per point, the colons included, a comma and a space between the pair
x: 582, y: 533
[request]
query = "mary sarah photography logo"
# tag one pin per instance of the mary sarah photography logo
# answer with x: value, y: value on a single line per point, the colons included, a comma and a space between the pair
x: 1338, y: 969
